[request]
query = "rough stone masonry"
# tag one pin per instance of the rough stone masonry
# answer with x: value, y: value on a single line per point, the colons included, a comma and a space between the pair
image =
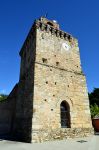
x: 52, y: 98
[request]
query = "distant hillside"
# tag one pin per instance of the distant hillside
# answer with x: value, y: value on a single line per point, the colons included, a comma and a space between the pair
x: 3, y: 97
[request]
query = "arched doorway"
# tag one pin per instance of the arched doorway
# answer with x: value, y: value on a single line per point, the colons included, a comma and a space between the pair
x: 65, y: 114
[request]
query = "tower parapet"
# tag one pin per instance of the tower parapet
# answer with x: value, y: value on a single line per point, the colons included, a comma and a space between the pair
x: 48, y: 26
x: 53, y: 27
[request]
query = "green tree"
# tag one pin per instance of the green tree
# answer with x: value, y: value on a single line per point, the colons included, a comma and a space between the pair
x: 94, y: 102
x: 94, y: 97
x: 3, y: 97
x: 94, y: 110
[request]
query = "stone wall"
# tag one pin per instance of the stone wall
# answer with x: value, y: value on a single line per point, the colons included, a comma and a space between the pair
x: 7, y: 113
x: 58, y: 77
x: 58, y: 85
x: 50, y: 73
x: 50, y: 51
x: 60, y: 134
x: 24, y: 104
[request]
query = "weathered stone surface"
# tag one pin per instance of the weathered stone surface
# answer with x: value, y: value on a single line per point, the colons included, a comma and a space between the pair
x: 58, y: 76
x: 7, y: 112
x: 60, y: 134
x: 50, y: 73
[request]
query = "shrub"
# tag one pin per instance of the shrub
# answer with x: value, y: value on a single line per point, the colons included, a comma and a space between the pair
x: 94, y: 111
x: 3, y: 97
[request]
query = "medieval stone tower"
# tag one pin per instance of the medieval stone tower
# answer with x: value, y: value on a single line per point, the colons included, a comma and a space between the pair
x: 52, y: 100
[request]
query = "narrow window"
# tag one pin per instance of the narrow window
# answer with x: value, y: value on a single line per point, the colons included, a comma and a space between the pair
x: 44, y: 60
x: 65, y: 114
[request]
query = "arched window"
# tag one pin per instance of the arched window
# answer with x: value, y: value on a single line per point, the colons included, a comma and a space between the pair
x: 65, y: 114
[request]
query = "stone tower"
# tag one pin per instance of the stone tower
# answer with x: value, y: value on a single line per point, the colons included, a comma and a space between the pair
x: 52, y: 101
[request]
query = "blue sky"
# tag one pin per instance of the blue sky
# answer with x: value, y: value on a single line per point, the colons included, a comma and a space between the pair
x: 78, y: 17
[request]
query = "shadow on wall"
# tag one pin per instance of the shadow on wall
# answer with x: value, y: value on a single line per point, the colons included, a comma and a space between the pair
x: 22, y: 127
x: 7, y: 114
x: 16, y: 112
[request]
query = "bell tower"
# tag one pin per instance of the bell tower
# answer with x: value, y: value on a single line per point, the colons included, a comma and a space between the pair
x: 52, y: 101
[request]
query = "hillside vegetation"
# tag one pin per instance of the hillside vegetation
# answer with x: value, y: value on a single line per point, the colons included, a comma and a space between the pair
x: 3, y: 97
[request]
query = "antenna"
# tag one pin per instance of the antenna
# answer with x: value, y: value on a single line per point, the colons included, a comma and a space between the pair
x: 46, y: 14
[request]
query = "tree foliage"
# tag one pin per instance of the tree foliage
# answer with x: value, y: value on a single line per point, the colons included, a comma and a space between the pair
x: 94, y: 97
x: 94, y: 102
x: 94, y: 111
x: 3, y: 97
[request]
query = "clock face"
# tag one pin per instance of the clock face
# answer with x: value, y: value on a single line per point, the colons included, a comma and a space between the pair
x: 66, y: 46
